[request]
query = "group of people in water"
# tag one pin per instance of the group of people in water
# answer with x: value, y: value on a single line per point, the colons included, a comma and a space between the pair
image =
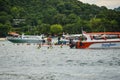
x: 49, y: 41
x: 60, y: 41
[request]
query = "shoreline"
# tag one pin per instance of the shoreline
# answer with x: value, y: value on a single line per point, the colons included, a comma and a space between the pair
x: 2, y: 39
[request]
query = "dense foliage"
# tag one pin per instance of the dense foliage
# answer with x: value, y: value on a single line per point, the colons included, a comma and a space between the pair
x: 37, y: 16
x: 117, y: 9
x: 56, y: 29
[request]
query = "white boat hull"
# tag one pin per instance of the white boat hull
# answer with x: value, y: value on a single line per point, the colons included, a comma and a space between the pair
x: 24, y: 41
x: 100, y: 40
x: 105, y: 45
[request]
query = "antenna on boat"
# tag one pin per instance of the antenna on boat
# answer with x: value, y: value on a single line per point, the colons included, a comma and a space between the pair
x: 83, y: 32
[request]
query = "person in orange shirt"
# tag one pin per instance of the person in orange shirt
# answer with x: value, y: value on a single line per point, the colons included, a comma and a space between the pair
x: 49, y: 41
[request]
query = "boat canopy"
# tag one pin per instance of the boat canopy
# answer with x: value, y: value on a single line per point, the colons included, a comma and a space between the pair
x: 13, y: 33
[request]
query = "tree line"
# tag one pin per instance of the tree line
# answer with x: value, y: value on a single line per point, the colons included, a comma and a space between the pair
x: 69, y: 16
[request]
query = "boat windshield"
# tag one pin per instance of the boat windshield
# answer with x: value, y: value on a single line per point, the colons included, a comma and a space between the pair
x: 102, y: 36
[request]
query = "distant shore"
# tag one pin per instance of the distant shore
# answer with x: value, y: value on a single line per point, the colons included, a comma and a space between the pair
x: 2, y: 39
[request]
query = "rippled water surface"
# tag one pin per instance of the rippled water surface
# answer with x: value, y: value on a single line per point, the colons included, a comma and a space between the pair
x: 28, y: 62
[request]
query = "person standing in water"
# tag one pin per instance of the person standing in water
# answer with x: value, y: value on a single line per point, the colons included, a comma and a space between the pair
x: 49, y: 42
x: 59, y: 40
x: 43, y: 41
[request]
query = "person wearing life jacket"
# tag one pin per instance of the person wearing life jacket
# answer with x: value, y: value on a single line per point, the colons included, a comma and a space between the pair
x: 79, y: 43
x: 43, y: 41
x: 59, y: 42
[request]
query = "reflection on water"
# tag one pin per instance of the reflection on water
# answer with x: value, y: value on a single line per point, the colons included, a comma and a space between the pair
x: 28, y: 62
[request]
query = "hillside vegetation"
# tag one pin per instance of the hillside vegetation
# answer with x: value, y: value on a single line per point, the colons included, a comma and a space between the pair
x: 37, y: 16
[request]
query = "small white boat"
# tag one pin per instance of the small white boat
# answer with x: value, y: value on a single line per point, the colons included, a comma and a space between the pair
x: 99, y: 40
x: 25, y: 39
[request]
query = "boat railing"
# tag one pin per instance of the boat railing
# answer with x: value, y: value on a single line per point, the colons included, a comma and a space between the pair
x: 102, y: 37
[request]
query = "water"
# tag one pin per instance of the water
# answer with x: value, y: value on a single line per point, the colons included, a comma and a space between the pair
x: 28, y: 62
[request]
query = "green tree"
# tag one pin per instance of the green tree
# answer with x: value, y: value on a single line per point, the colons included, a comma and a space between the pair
x: 56, y: 28
x: 5, y: 6
x: 114, y: 26
x: 72, y: 18
x: 95, y: 24
x: 71, y: 14
x: 68, y: 28
x: 17, y: 12
x: 43, y: 28
x: 4, y: 29
x: 59, y: 19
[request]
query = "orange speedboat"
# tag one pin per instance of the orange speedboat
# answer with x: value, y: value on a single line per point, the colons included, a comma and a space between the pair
x: 99, y: 40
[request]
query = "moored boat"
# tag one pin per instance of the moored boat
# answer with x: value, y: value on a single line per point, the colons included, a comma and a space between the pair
x: 25, y: 39
x: 99, y: 40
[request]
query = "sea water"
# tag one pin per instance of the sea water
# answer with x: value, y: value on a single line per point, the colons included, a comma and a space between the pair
x: 30, y: 62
